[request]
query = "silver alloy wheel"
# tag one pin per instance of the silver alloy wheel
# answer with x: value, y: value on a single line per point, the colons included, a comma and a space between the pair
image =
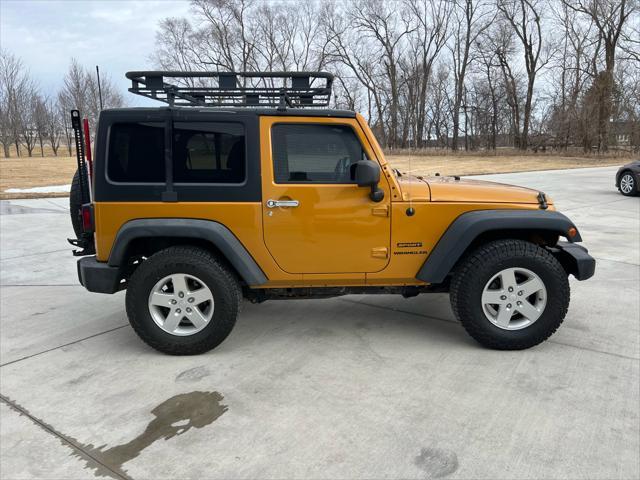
x: 514, y: 298
x: 626, y: 183
x: 181, y: 304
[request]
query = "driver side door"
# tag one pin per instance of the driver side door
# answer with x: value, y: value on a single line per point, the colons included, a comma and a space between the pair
x: 316, y: 220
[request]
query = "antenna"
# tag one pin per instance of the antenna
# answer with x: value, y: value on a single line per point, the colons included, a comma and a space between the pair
x: 410, y: 210
x: 99, y: 87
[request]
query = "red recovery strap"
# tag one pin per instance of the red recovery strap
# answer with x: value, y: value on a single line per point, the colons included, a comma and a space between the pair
x: 87, y: 143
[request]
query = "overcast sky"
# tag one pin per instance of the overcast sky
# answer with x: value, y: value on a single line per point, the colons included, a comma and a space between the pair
x: 115, y: 34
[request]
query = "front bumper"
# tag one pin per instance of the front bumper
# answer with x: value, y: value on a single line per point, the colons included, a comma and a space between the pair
x: 99, y: 277
x: 575, y: 259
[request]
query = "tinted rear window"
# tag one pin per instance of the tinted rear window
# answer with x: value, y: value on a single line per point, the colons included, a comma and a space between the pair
x: 136, y: 153
x: 208, y: 152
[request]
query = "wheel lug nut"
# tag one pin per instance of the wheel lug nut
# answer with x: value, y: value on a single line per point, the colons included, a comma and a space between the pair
x: 173, y: 302
x: 503, y: 297
x: 511, y: 289
x: 520, y: 293
x: 181, y: 294
x: 190, y: 299
x: 178, y: 310
x: 508, y: 305
x: 188, y: 310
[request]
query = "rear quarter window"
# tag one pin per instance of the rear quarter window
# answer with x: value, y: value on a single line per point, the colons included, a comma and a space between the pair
x: 208, y: 152
x: 136, y: 153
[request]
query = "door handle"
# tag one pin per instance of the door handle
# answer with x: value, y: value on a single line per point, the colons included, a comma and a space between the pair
x: 282, y: 203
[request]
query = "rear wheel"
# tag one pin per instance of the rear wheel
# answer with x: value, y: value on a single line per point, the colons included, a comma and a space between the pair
x: 627, y: 185
x: 182, y: 301
x: 510, y: 294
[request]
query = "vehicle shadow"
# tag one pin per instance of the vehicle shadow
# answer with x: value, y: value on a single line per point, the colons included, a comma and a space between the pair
x: 427, y: 317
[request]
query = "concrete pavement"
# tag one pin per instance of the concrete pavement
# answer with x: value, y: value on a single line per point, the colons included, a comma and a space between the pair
x: 353, y: 387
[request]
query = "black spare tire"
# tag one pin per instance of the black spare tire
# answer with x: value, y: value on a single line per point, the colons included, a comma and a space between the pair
x: 77, y: 197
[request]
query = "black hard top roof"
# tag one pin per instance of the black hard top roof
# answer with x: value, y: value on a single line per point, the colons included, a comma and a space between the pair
x: 291, y: 112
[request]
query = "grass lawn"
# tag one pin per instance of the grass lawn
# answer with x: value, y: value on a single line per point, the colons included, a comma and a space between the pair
x: 25, y: 172
x: 38, y: 171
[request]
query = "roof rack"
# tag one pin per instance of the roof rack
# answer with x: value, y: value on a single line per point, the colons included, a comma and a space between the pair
x: 234, y: 89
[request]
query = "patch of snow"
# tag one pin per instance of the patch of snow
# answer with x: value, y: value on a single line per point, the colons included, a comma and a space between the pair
x: 47, y: 189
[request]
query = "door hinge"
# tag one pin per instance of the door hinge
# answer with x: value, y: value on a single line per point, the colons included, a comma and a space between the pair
x: 379, y: 252
x: 381, y: 211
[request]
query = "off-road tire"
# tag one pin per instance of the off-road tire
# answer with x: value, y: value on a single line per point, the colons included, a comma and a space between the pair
x: 475, y: 270
x: 203, y: 265
x: 76, y: 200
x: 634, y: 187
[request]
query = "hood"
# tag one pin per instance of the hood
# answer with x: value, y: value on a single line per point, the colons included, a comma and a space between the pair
x: 414, y: 188
x: 454, y: 189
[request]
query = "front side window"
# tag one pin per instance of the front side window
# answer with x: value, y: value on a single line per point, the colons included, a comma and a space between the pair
x: 208, y: 152
x: 307, y: 153
x: 136, y: 153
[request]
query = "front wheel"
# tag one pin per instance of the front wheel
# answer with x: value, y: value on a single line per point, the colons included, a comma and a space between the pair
x: 627, y: 185
x: 510, y: 294
x: 182, y: 301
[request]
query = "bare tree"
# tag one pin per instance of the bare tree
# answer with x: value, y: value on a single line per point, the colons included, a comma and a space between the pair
x: 609, y: 18
x: 426, y: 42
x: 62, y: 111
x: 80, y: 91
x: 525, y: 19
x: 489, y: 70
x: 440, y: 107
x: 572, y: 71
x: 471, y: 19
x: 224, y: 40
x: 52, y: 124
x: 630, y: 37
x: 385, y: 26
x: 175, y: 46
x: 39, y: 120
x: 6, y: 131
x: 388, y: 62
x: 74, y: 91
x: 501, y: 42
x: 27, y: 118
x: 360, y: 62
x: 15, y: 89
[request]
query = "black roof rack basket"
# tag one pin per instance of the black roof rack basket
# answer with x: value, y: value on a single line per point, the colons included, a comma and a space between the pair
x: 234, y: 89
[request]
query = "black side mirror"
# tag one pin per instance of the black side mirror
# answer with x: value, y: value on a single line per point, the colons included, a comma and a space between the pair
x: 367, y: 174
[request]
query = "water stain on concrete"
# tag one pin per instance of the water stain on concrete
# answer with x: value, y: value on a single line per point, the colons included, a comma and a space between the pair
x: 578, y: 326
x: 317, y: 332
x: 173, y: 417
x: 7, y: 208
x: 536, y: 385
x: 193, y: 374
x: 81, y: 379
x: 437, y: 462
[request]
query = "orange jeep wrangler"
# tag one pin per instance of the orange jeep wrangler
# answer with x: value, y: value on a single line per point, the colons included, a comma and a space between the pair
x: 247, y: 186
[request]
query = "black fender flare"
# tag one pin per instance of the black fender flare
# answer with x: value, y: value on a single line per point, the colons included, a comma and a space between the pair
x: 208, y: 230
x: 468, y: 226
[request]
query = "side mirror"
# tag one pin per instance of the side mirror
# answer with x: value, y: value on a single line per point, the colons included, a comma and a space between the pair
x: 367, y: 174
